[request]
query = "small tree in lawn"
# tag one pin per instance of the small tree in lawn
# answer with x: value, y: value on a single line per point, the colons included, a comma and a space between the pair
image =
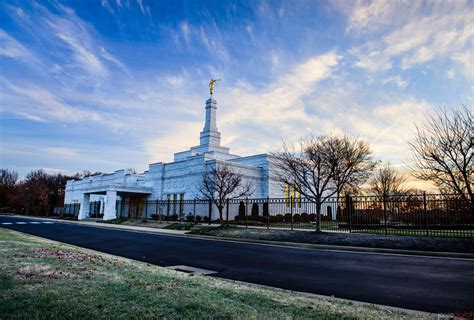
x: 223, y: 183
x: 323, y: 166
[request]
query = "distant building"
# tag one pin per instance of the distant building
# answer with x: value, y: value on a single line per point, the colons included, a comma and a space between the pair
x: 177, y: 180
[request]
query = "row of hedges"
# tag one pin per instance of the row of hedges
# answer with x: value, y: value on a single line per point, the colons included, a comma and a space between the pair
x: 304, y: 217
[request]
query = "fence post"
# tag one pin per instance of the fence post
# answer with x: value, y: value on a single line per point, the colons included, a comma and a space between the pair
x: 227, y: 212
x: 146, y: 210
x: 349, y: 211
x: 246, y: 207
x: 268, y: 212
x: 210, y: 211
x: 194, y: 208
x: 426, y: 214
x: 156, y: 210
x: 291, y: 212
x: 129, y: 209
x: 385, y: 213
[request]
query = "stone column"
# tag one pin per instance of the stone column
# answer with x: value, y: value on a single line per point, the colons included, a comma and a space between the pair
x: 84, y: 209
x: 110, y: 205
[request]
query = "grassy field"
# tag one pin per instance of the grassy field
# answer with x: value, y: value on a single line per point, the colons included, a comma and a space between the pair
x: 40, y: 279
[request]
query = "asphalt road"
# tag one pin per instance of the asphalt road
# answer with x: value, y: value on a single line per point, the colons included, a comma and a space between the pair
x: 433, y: 284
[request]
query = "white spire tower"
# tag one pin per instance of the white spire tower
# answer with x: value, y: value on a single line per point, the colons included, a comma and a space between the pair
x: 210, y: 136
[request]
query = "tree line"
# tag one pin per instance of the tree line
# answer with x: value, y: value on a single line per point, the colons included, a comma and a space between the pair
x: 39, y: 189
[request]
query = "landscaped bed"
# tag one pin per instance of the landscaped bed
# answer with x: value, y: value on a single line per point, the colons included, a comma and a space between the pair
x: 436, y: 244
x: 40, y: 279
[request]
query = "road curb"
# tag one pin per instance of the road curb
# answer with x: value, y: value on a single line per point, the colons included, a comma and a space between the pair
x: 149, y: 230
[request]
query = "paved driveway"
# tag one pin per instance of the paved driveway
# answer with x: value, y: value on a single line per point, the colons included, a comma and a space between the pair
x: 421, y: 283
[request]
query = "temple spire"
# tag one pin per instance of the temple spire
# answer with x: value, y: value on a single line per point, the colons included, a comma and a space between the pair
x: 210, y: 136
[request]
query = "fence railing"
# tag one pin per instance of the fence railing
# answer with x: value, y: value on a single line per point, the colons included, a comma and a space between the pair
x: 420, y: 214
x: 414, y: 214
x: 70, y: 210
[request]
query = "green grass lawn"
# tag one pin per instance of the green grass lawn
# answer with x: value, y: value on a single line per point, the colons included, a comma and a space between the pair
x: 40, y: 279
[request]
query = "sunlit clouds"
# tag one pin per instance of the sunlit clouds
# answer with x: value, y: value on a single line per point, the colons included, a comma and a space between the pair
x: 117, y: 84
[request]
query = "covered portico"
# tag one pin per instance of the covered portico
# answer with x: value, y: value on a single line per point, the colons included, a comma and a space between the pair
x: 111, y: 193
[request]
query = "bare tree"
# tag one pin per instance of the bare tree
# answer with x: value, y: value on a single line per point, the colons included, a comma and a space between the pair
x: 387, y: 182
x: 323, y: 166
x: 8, y: 181
x: 352, y: 161
x: 8, y: 177
x: 221, y: 184
x: 443, y: 151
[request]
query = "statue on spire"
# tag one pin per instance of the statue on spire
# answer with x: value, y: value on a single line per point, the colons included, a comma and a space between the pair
x: 211, y: 85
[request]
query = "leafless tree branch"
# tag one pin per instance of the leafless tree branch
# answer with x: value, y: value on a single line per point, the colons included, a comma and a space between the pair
x: 223, y: 183
x: 323, y: 167
x: 442, y: 151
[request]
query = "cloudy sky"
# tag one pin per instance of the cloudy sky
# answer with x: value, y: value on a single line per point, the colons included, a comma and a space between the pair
x: 105, y: 85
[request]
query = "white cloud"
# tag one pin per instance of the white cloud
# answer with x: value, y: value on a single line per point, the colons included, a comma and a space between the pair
x: 214, y: 44
x: 466, y: 60
x: 37, y: 104
x: 419, y: 32
x: 11, y: 48
x: 31, y: 117
x: 369, y: 15
x: 62, y: 152
x: 163, y: 147
x: 281, y: 12
x: 398, y: 81
x: 373, y: 61
x: 451, y: 74
x: 140, y: 4
x: 80, y: 40
x: 83, y: 56
x: 186, y: 30
x: 175, y: 80
x: 249, y: 28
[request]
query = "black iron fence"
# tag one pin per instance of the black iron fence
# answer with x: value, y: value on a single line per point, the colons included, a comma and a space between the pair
x: 419, y: 214
x: 414, y: 214
x: 67, y: 210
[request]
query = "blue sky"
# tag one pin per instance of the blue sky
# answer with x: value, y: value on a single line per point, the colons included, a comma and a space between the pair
x: 111, y: 84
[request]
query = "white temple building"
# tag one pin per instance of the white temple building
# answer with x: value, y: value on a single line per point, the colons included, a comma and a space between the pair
x: 177, y: 180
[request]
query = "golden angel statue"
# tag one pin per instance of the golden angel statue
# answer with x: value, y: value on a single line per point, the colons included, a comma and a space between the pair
x: 211, y: 85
